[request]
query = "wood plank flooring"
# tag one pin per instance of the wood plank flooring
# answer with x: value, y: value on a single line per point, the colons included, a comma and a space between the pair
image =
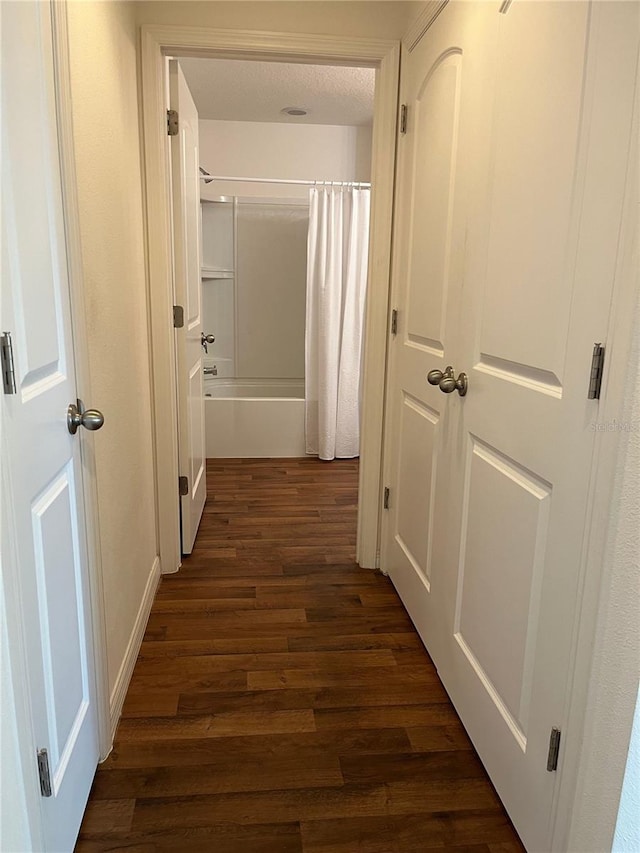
x: 282, y: 701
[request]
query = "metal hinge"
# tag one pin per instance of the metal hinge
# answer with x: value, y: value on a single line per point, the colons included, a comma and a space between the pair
x: 597, y: 369
x: 554, y: 750
x: 394, y: 321
x: 8, y: 372
x: 43, y: 772
x: 403, y: 118
x: 172, y: 122
x: 183, y: 486
x: 178, y: 316
x: 385, y: 499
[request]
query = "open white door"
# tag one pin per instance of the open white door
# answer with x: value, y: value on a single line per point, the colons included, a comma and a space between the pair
x: 49, y: 594
x: 185, y: 186
x: 487, y: 552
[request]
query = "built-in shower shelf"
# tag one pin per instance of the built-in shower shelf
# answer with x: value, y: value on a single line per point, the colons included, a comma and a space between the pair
x: 210, y: 273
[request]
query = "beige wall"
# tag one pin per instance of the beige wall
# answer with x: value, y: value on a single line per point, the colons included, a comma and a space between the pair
x: 102, y: 39
x: 377, y: 19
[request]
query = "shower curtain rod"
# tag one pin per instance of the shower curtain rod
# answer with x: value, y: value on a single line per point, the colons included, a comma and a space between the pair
x: 361, y: 184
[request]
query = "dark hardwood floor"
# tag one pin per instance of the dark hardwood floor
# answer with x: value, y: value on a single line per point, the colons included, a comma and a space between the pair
x: 282, y: 701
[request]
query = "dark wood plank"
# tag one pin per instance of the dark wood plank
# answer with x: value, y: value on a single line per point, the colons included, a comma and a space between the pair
x: 282, y: 701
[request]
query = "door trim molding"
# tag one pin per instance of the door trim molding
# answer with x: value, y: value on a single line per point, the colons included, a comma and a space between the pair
x: 605, y: 670
x: 425, y: 19
x: 71, y: 216
x: 156, y: 43
x: 123, y: 679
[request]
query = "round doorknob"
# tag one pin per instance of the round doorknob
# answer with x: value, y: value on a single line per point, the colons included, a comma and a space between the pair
x: 450, y: 384
x: 435, y: 377
x: 207, y: 339
x: 77, y: 416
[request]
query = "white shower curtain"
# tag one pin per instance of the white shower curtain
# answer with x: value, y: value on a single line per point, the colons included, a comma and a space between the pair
x: 337, y: 252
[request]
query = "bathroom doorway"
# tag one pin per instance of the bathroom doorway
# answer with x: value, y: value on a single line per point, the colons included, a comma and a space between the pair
x: 159, y: 43
x: 271, y: 264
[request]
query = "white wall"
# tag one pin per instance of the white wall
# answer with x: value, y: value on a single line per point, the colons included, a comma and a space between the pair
x: 271, y: 285
x: 107, y: 146
x: 277, y: 150
x: 627, y: 835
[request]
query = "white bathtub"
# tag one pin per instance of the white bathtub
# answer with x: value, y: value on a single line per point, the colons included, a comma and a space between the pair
x: 253, y: 418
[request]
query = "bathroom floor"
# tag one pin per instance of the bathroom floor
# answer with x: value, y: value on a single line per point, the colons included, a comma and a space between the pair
x: 282, y: 701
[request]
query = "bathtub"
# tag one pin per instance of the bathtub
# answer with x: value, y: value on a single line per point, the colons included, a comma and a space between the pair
x: 254, y: 418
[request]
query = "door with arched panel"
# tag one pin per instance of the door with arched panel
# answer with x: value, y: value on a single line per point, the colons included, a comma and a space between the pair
x: 513, y: 178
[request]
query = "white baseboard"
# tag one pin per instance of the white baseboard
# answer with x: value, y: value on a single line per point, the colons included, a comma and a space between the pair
x: 121, y: 686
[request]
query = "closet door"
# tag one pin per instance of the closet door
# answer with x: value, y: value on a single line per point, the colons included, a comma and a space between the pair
x: 185, y: 184
x: 544, y: 222
x: 510, y: 253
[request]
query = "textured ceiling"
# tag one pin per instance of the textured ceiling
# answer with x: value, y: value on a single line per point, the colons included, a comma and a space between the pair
x: 237, y: 90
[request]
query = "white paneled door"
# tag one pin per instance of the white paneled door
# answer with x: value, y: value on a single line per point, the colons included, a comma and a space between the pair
x: 512, y: 178
x: 43, y: 466
x: 185, y: 181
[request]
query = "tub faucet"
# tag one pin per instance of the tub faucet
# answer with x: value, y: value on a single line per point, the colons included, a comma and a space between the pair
x: 211, y: 371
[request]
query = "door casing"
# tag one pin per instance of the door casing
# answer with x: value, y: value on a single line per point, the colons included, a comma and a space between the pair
x: 157, y: 42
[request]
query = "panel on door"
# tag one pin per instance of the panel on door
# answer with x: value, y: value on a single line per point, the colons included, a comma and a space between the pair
x: 185, y: 185
x: 44, y: 465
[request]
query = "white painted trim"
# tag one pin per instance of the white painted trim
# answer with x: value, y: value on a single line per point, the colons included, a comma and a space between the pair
x: 83, y: 379
x: 591, y: 777
x: 245, y: 44
x: 425, y: 19
x: 119, y: 692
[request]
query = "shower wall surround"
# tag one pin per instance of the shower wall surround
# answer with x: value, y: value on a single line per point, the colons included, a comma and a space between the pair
x: 254, y: 270
x: 253, y: 281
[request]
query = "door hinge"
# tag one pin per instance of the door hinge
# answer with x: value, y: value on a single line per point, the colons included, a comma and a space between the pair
x: 597, y: 369
x: 172, y: 122
x: 183, y: 486
x: 394, y: 321
x: 385, y: 499
x: 178, y: 316
x: 403, y: 118
x: 43, y: 773
x: 554, y: 750
x: 8, y: 371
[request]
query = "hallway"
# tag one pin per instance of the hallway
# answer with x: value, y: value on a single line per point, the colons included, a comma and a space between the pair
x: 282, y: 701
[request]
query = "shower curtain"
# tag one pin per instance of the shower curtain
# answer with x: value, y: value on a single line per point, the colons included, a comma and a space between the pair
x: 337, y: 251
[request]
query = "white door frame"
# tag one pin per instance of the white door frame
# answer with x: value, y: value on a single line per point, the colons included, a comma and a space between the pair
x: 88, y: 487
x: 156, y: 43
